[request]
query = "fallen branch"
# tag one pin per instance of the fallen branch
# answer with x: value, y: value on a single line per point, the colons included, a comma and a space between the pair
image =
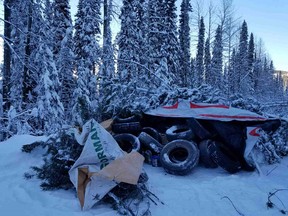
x: 270, y: 204
x: 233, y: 205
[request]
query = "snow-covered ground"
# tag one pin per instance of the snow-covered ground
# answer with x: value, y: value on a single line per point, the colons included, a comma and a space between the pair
x: 204, y: 192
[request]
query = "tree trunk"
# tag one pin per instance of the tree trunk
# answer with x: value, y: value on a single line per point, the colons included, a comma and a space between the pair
x: 27, y: 87
x: 7, y: 54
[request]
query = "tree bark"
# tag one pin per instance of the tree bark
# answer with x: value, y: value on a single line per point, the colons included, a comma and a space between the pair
x: 27, y: 88
x: 7, y: 54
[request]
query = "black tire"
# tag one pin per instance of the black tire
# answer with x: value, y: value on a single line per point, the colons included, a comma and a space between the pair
x: 131, y: 127
x: 132, y: 118
x: 179, y: 157
x: 205, y: 148
x: 128, y: 142
x: 179, y: 132
x: 153, y: 133
x: 148, y: 142
x: 224, y: 158
x: 198, y: 129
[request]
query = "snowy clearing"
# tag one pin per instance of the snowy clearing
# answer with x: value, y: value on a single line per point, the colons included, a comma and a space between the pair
x: 204, y: 192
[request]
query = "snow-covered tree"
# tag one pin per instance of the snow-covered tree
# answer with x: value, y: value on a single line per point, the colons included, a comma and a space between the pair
x: 232, y: 75
x: 128, y: 42
x: 142, y: 23
x: 19, y: 19
x: 207, y: 62
x: 251, y: 59
x: 108, y: 63
x: 199, y: 69
x: 170, y: 47
x: 242, y: 61
x: 6, y: 71
x: 217, y: 60
x: 157, y: 60
x: 62, y: 30
x: 87, y: 53
x: 50, y: 108
x: 184, y: 40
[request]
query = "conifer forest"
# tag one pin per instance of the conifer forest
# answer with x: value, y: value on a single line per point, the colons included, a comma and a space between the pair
x: 61, y: 70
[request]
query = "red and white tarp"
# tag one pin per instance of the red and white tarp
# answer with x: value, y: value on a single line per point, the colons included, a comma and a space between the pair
x: 187, y: 109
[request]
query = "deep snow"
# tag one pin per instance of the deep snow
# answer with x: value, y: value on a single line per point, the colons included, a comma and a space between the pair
x: 204, y: 192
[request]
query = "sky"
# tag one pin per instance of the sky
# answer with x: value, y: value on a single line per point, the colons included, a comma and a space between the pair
x: 268, y: 19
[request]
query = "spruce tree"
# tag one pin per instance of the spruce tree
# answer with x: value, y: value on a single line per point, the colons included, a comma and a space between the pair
x: 242, y: 62
x: 107, y: 71
x: 87, y: 54
x: 199, y: 70
x: 158, y: 73
x: 184, y: 40
x: 142, y: 24
x: 128, y: 42
x: 170, y: 46
x: 19, y: 18
x: 232, y: 75
x: 50, y: 108
x: 6, y: 71
x: 108, y: 64
x: 257, y: 69
x: 251, y: 60
x: 30, y: 75
x: 217, y: 60
x: 62, y: 30
x: 207, y: 62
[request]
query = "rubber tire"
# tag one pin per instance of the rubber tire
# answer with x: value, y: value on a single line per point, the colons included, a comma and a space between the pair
x: 205, y: 147
x: 128, y: 142
x: 179, y: 132
x: 198, y: 129
x: 130, y: 127
x: 224, y: 158
x: 148, y: 142
x: 153, y: 133
x: 173, y: 161
x: 132, y: 118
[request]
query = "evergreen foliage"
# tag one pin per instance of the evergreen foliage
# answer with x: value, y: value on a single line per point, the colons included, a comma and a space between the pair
x: 170, y: 47
x: 128, y: 42
x: 62, y: 30
x: 251, y: 60
x: 274, y: 145
x: 87, y: 52
x: 207, y: 63
x: 60, y: 153
x: 184, y: 40
x: 217, y: 61
x: 199, y: 68
x: 243, y: 79
x: 56, y: 77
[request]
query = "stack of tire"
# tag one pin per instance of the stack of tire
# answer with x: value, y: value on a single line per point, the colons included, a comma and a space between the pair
x: 181, y: 154
x: 125, y: 131
x: 214, y: 151
x: 179, y: 150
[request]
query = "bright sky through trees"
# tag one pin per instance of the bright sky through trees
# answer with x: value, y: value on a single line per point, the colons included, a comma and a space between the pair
x: 266, y: 19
